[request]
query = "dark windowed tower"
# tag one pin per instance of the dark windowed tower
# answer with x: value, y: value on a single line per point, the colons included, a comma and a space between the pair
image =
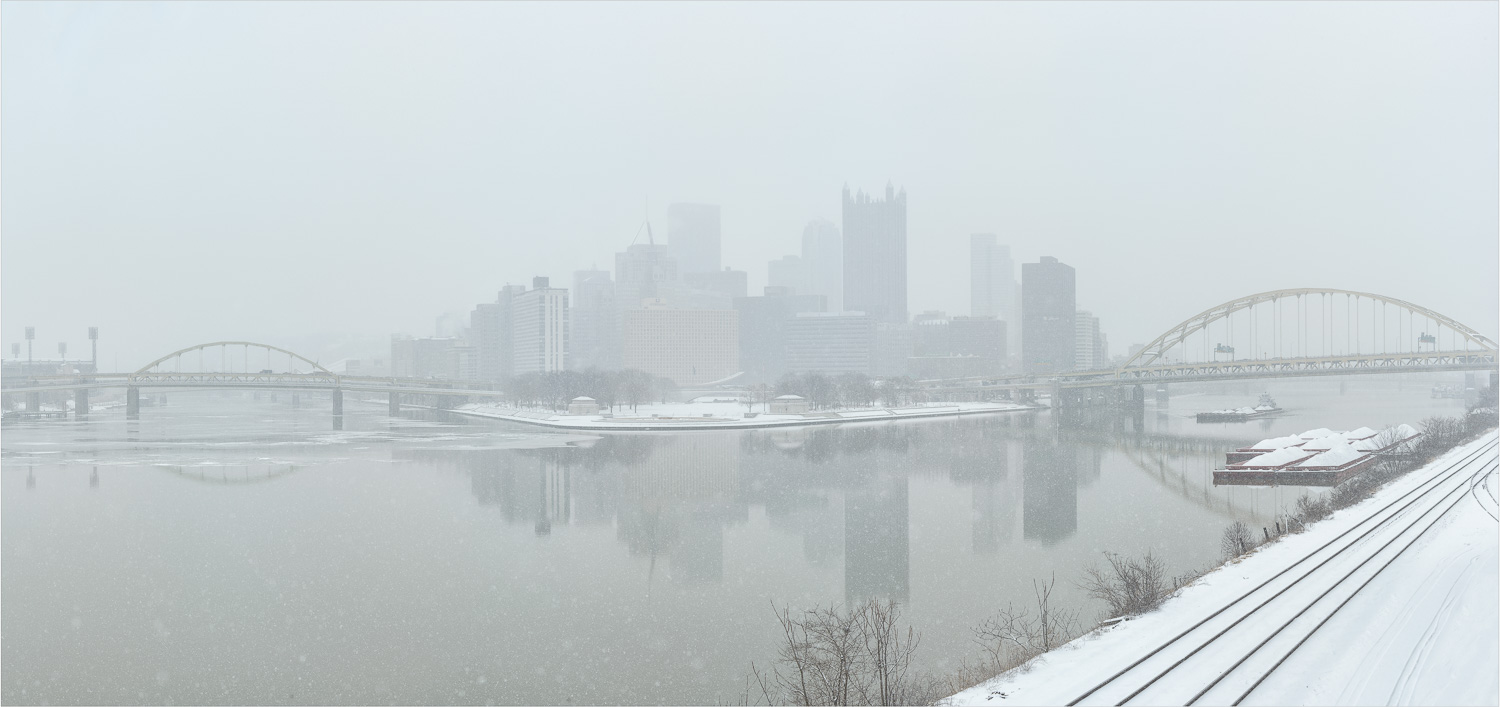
x: 875, y: 255
x: 1048, y: 299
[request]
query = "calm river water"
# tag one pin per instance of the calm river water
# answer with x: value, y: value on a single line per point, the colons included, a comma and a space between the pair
x: 230, y: 550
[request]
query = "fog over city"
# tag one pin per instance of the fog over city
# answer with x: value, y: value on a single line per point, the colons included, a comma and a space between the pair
x: 806, y: 353
x: 325, y: 175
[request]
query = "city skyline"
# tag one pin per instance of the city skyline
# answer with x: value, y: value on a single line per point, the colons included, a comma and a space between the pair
x: 471, y: 194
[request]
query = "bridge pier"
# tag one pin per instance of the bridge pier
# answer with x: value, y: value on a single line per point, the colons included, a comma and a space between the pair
x: 338, y: 402
x: 80, y: 402
x: 132, y: 402
x: 395, y: 407
x: 33, y: 402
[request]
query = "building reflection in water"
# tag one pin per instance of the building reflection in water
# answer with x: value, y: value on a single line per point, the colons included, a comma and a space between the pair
x: 843, y: 490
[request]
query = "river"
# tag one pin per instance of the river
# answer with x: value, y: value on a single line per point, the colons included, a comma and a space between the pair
x: 227, y: 549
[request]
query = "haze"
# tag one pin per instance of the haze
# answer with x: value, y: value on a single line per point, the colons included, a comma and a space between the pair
x: 323, y: 175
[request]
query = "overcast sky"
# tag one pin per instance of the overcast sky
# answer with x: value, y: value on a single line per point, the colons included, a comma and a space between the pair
x: 322, y: 175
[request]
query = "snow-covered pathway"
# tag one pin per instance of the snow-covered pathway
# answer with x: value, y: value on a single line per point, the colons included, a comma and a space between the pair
x: 1391, y: 600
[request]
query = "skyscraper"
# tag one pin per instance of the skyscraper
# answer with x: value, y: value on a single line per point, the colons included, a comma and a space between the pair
x: 1048, y: 311
x: 593, y: 322
x: 492, y: 338
x: 823, y: 263
x: 875, y: 255
x: 693, y: 234
x: 539, y: 320
x: 992, y: 280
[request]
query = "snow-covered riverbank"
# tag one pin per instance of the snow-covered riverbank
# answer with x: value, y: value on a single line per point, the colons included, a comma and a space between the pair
x: 722, y: 415
x: 1422, y: 631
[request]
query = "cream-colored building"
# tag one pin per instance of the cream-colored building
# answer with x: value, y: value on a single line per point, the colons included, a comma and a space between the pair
x: 689, y: 346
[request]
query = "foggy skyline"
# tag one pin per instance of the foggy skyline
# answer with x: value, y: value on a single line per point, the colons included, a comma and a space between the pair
x: 179, y: 173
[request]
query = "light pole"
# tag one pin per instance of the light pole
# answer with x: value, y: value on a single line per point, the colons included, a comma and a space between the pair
x: 30, y: 334
x: 94, y: 343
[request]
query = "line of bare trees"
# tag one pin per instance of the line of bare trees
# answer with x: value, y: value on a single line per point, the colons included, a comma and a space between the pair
x: 852, y: 389
x: 625, y: 388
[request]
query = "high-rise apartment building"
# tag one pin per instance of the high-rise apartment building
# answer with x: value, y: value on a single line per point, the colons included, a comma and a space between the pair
x: 992, y: 279
x: 823, y: 263
x: 689, y: 346
x: 693, y: 234
x: 1090, y: 351
x: 1048, y: 311
x: 490, y: 335
x: 875, y: 254
x: 539, y: 321
x: 593, y: 322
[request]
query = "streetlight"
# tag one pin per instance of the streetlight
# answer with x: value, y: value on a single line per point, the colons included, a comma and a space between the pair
x: 94, y: 342
x: 30, y: 334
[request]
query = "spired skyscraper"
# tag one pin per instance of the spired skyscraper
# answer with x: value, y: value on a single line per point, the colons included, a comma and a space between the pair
x: 875, y: 255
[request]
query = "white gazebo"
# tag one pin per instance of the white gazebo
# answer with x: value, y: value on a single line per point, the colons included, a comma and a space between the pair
x: 789, y: 405
x: 583, y: 405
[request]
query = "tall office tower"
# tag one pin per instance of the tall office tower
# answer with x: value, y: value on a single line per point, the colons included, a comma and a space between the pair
x: 763, y: 329
x: 693, y: 233
x: 790, y: 273
x: 727, y: 282
x: 832, y: 342
x: 875, y: 255
x: 539, y: 319
x: 642, y: 272
x: 593, y: 322
x: 992, y: 278
x: 1048, y: 308
x: 1089, y: 350
x: 823, y: 263
x: 689, y: 346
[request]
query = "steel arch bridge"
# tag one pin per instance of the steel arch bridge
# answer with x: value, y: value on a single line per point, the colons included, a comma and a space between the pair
x: 1282, y: 334
x: 243, y: 365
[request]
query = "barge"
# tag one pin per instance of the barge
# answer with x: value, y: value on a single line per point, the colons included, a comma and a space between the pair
x: 1265, y: 408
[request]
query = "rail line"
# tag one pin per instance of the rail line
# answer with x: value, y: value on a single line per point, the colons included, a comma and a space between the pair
x: 1380, y: 518
x: 1483, y: 472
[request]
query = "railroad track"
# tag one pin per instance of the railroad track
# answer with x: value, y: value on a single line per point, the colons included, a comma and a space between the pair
x: 1225, y: 656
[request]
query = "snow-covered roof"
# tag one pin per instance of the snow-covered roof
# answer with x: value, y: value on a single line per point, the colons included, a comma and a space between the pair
x: 1405, y: 431
x: 789, y: 397
x: 1319, y: 433
x: 1277, y: 442
x: 583, y: 399
x: 1280, y: 457
x: 1361, y: 433
x: 1340, y: 455
x: 1323, y: 444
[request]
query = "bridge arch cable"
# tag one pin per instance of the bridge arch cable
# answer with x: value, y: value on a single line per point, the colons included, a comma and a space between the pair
x: 1154, y: 352
x: 176, y: 357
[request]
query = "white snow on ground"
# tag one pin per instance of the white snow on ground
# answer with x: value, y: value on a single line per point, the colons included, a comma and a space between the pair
x: 1422, y: 632
x: 720, y: 415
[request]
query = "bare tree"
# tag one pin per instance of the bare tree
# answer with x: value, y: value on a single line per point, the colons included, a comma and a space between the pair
x: 1129, y: 586
x: 1011, y: 637
x: 836, y: 656
x: 1237, y: 540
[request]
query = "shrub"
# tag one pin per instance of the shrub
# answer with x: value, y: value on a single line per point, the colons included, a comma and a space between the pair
x: 1311, y: 509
